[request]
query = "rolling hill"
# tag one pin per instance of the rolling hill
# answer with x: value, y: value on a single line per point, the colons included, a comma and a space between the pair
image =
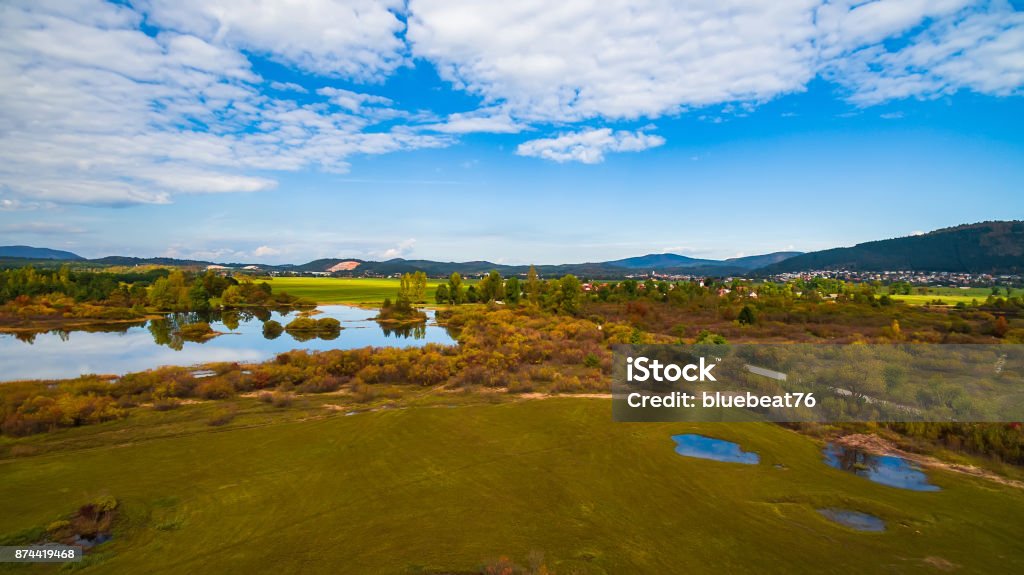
x: 986, y: 247
x: 29, y: 252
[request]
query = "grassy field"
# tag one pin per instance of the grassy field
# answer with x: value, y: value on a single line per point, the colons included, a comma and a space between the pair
x: 436, y: 489
x: 917, y: 299
x: 949, y: 295
x: 370, y: 291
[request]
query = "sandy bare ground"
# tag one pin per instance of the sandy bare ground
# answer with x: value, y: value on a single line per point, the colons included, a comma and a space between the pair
x: 881, y: 446
x: 540, y: 395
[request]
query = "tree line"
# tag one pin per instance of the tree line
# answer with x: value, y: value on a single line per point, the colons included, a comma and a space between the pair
x: 46, y: 291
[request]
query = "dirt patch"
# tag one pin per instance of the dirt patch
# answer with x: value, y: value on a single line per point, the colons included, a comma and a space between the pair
x: 541, y: 395
x: 940, y: 563
x: 345, y: 266
x: 881, y: 446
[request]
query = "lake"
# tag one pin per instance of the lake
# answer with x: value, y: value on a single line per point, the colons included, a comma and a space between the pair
x: 120, y: 350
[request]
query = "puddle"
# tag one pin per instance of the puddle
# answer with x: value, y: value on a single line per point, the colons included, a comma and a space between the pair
x: 885, y: 469
x: 700, y: 446
x: 90, y: 542
x: 854, y: 519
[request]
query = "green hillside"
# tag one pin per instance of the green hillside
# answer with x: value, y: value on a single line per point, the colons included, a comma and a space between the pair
x: 987, y: 247
x: 445, y: 488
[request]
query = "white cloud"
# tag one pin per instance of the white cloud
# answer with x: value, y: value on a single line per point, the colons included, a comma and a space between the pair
x: 94, y: 111
x: 43, y: 228
x: 351, y: 38
x: 353, y: 101
x: 266, y: 251
x: 680, y: 250
x: 402, y: 249
x: 979, y: 49
x: 489, y: 120
x: 844, y: 25
x: 216, y: 255
x: 588, y: 146
x: 288, y: 87
x: 616, y: 59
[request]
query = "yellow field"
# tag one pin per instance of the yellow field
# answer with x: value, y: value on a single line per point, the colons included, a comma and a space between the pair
x: 370, y: 291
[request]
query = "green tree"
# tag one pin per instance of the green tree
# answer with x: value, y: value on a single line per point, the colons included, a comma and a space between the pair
x: 513, y: 291
x: 441, y: 295
x: 199, y: 298
x: 747, y: 316
x: 405, y: 288
x: 455, y: 294
x: 418, y: 285
x: 492, y: 288
x: 570, y: 294
x: 533, y: 286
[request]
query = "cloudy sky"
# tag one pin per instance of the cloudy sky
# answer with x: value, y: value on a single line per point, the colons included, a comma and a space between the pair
x: 515, y: 131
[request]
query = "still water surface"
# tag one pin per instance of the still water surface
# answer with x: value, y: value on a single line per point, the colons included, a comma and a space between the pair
x: 885, y: 469
x: 704, y: 447
x: 62, y: 354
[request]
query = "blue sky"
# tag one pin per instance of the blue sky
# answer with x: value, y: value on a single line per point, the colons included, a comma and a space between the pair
x: 516, y: 132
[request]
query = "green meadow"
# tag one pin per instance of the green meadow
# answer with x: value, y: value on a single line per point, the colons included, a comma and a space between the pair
x: 948, y: 295
x: 353, y: 291
x: 372, y: 291
x: 917, y: 299
x: 447, y: 484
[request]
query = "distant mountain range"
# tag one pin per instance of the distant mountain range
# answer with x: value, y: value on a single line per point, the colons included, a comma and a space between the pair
x: 987, y: 247
x: 661, y: 263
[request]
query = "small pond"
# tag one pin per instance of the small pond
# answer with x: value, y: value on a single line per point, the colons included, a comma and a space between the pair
x: 885, y: 469
x: 123, y: 349
x: 854, y: 519
x: 703, y: 447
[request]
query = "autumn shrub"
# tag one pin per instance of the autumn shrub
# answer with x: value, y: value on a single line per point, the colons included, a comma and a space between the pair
x: 300, y: 324
x: 520, y: 384
x: 195, y: 331
x: 328, y: 324
x: 362, y: 392
x: 321, y: 384
x: 166, y: 404
x: 282, y: 399
x: 272, y: 329
x: 215, y: 388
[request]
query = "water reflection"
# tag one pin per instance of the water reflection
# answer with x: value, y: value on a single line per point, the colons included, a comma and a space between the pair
x: 885, y: 469
x: 123, y: 348
x: 703, y: 447
x: 854, y: 519
x: 415, y: 330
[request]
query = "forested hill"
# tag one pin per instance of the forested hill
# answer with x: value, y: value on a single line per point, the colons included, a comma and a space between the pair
x: 987, y: 247
x: 29, y: 252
